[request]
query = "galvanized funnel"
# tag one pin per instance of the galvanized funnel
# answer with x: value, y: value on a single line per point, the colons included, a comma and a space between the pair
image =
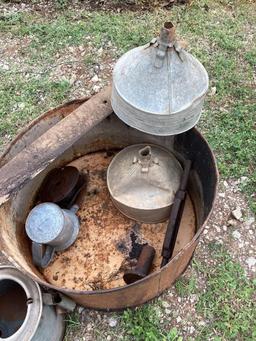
x: 159, y: 88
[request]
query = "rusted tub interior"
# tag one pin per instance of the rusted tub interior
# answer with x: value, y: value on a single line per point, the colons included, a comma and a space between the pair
x: 91, y: 270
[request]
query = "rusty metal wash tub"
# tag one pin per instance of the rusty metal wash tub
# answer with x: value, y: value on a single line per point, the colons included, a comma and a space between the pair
x: 109, y: 134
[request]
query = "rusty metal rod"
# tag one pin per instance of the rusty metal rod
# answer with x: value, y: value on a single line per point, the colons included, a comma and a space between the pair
x: 175, y: 216
x: 143, y: 265
x: 34, y: 158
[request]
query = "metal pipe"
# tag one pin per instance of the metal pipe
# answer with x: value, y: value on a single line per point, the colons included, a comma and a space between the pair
x: 175, y: 216
x: 143, y: 265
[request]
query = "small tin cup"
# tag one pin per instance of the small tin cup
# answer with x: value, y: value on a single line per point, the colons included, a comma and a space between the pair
x: 51, y: 229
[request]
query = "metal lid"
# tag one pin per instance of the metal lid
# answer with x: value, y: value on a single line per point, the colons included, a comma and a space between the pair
x: 44, y: 222
x: 159, y: 88
x: 144, y: 177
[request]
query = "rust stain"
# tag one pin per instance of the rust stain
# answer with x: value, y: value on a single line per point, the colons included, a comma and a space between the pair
x: 99, y: 257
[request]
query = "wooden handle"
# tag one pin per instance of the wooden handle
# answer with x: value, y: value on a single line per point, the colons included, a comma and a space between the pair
x: 33, y: 159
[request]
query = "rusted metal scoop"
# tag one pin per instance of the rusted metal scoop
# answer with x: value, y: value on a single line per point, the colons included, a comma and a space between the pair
x: 62, y: 186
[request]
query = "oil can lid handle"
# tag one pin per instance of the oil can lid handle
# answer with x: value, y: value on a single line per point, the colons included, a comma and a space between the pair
x: 145, y: 159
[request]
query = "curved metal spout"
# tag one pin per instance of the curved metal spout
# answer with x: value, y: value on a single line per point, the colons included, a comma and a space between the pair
x: 168, y: 34
x: 167, y: 39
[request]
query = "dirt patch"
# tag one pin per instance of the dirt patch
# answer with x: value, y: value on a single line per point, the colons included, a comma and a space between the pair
x: 50, y: 7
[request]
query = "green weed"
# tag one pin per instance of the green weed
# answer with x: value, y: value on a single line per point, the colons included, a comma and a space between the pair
x: 143, y: 324
x: 186, y: 286
x: 22, y: 100
x: 227, y: 304
x: 72, y: 322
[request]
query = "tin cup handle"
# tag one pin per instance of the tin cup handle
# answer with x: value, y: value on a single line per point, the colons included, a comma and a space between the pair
x: 42, y: 254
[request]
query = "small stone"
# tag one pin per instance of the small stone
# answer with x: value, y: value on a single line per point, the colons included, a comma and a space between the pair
x: 217, y: 229
x: 249, y: 221
x: 244, y: 180
x: 225, y: 184
x: 237, y: 213
x: 21, y: 105
x: 165, y: 304
x: 191, y: 330
x: 193, y: 298
x: 201, y: 323
x: 236, y: 235
x: 96, y: 88
x: 96, y: 68
x: 5, y: 67
x: 80, y: 310
x: 222, y: 195
x: 95, y: 79
x: 89, y: 327
x: 100, y: 51
x: 72, y: 79
x: 224, y: 228
x: 178, y: 319
x: 112, y: 322
x: 241, y: 245
x: 168, y: 311
x: 251, y: 261
x: 109, y: 338
x: 213, y: 91
x: 232, y: 222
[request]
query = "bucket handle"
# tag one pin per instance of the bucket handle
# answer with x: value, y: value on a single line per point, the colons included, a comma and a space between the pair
x: 42, y: 254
